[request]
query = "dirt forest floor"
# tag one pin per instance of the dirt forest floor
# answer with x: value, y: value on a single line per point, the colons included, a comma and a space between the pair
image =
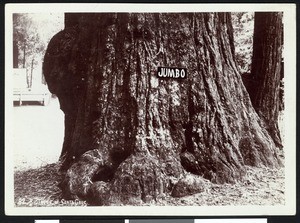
x: 261, y: 186
x: 36, y: 172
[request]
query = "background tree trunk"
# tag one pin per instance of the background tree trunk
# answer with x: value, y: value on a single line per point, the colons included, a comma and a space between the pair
x: 15, y: 55
x: 129, y: 136
x: 24, y: 56
x: 267, y: 70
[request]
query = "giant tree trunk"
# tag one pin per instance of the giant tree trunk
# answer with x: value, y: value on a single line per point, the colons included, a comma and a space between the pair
x: 267, y: 71
x: 130, y: 136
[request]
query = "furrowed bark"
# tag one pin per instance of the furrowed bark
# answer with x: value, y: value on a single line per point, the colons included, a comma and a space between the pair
x: 130, y: 136
x: 267, y: 70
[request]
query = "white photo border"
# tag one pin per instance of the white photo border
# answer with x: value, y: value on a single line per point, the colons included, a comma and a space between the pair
x: 289, y: 208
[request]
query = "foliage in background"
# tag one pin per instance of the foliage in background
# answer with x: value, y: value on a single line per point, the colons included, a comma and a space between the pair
x: 31, y: 34
x: 243, y: 26
x: 26, y: 38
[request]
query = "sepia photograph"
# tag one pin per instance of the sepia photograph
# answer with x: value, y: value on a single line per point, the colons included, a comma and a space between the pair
x: 150, y: 109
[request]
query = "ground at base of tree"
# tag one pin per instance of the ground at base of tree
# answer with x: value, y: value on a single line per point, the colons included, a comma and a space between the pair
x: 261, y: 186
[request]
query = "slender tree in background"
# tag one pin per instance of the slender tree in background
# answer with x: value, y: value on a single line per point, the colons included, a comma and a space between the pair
x: 15, y: 54
x: 267, y: 70
x: 27, y: 44
x: 131, y: 137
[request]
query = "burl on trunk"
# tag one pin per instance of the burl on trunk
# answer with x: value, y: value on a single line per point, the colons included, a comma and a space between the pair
x: 130, y: 136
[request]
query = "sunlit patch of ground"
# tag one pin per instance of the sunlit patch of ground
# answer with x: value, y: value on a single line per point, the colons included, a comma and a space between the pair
x: 38, y: 133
